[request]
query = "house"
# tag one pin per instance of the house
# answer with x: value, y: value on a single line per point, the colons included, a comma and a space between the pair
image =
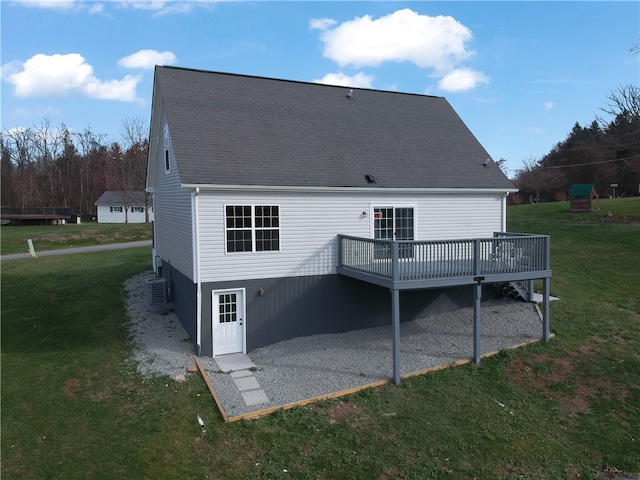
x: 124, y: 207
x: 263, y: 188
x: 581, y: 196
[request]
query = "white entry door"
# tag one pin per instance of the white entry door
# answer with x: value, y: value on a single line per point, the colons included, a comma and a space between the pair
x: 228, y: 312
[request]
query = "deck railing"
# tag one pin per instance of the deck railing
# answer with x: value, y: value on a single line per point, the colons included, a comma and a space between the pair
x: 504, y: 253
x: 16, y: 212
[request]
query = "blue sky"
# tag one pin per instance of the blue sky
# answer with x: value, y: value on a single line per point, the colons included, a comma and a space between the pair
x: 519, y: 74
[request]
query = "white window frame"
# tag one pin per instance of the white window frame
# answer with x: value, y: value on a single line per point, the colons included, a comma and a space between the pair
x: 394, y: 206
x: 253, y: 228
x: 137, y: 209
x: 414, y: 206
x: 116, y: 209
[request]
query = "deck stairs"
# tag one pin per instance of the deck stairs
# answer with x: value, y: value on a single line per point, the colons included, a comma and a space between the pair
x: 517, y: 290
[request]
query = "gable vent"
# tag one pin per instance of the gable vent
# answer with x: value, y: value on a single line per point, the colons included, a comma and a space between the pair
x: 156, y: 291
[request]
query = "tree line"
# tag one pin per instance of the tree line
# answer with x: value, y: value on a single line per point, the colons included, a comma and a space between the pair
x: 55, y: 167
x: 605, y: 152
x: 47, y: 166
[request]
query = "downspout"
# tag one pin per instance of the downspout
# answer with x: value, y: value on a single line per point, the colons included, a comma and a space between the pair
x: 504, y: 212
x: 196, y: 270
x: 154, y: 236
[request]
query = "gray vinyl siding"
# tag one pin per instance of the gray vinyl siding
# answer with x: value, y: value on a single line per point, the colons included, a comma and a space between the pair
x: 310, y: 223
x: 181, y: 292
x: 300, y: 306
x: 173, y: 218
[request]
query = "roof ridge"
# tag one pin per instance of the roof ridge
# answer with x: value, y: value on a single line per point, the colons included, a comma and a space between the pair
x: 300, y: 82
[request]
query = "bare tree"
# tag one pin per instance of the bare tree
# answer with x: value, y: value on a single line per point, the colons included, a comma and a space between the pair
x: 91, y: 165
x: 134, y: 161
x: 502, y: 165
x: 7, y: 172
x: 53, y: 166
x: 22, y: 156
x: 623, y: 103
x: 538, y: 181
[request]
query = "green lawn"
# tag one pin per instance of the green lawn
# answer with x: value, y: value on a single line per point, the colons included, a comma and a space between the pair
x: 73, y: 407
x: 54, y: 237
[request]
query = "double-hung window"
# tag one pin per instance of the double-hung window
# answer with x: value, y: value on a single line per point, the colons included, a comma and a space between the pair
x: 252, y: 228
x: 115, y: 209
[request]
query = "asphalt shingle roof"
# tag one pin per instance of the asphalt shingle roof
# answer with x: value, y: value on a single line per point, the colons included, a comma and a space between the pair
x: 231, y: 129
x: 111, y: 198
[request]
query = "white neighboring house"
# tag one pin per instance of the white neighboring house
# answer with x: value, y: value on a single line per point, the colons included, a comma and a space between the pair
x: 124, y: 207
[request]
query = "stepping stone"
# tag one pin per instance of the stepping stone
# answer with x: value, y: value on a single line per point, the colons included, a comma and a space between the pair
x: 247, y: 383
x: 241, y: 373
x: 254, y: 397
x: 234, y: 361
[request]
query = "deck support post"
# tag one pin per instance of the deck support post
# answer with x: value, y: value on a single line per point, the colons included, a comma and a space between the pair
x: 545, y: 308
x: 395, y: 305
x: 477, y: 295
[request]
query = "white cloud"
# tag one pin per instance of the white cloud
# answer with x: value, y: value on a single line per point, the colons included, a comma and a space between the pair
x: 429, y: 42
x: 162, y: 7
x: 548, y: 106
x: 437, y: 43
x: 21, y: 112
x: 10, y: 68
x: 461, y: 79
x: 147, y: 59
x: 63, y: 5
x: 359, y: 80
x: 158, y: 7
x: 63, y: 75
x: 321, y: 23
x: 48, y: 4
x: 96, y: 8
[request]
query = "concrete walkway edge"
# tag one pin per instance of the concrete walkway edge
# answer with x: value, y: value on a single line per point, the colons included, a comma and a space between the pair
x: 70, y: 251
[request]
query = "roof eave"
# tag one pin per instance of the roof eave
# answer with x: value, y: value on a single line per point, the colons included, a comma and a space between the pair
x: 321, y: 189
x: 154, y: 135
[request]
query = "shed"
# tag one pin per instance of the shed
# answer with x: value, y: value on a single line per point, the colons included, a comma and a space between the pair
x: 581, y: 196
x: 124, y: 207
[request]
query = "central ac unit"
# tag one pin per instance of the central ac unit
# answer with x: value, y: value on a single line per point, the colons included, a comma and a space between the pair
x: 156, y: 291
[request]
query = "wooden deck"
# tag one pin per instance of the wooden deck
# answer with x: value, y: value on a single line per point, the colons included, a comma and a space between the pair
x: 413, y: 265
x: 407, y: 265
x: 30, y: 216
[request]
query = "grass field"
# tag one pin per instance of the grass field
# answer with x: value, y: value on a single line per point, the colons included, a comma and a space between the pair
x: 54, y: 237
x: 74, y: 407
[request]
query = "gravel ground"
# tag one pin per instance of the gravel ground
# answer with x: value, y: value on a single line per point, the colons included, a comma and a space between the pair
x: 307, y: 367
x: 162, y: 346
